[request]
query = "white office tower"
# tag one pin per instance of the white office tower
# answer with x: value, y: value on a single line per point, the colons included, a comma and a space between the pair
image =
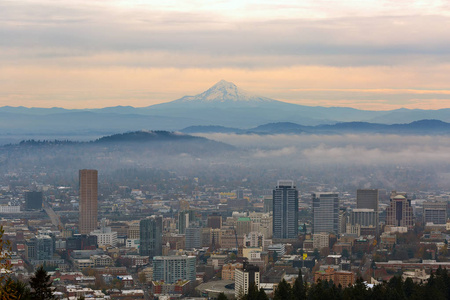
x: 244, y: 277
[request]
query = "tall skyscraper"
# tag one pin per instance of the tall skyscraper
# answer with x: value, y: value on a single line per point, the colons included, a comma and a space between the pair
x: 285, y: 210
x: 367, y: 208
x: 399, y: 213
x: 88, y: 200
x: 33, y: 200
x: 325, y: 212
x: 150, y: 236
x: 367, y: 198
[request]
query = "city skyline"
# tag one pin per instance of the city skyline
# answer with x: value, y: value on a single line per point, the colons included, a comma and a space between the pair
x: 141, y: 242
x: 248, y: 149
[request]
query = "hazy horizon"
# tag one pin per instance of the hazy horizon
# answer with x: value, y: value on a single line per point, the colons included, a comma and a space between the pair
x: 372, y: 55
x: 120, y: 105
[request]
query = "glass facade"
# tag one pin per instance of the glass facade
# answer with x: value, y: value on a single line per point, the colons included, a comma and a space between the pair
x: 285, y: 210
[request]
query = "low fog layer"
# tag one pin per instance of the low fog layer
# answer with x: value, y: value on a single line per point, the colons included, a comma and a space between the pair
x: 335, y: 162
x: 346, y: 149
x: 383, y: 161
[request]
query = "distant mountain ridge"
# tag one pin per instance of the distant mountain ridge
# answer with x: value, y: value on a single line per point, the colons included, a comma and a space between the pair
x: 175, y: 142
x: 224, y: 104
x: 212, y: 129
x: 146, y: 136
x: 141, y: 150
x: 135, y: 136
x: 429, y: 127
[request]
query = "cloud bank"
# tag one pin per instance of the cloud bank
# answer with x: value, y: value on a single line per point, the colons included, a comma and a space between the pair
x: 368, y: 149
x: 97, y: 53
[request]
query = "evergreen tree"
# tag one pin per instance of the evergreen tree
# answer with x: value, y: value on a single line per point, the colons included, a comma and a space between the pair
x: 446, y: 280
x: 299, y: 289
x: 316, y: 291
x: 222, y: 296
x: 262, y: 295
x: 408, y: 288
x: 358, y: 291
x: 378, y: 292
x: 252, y: 293
x: 396, y: 284
x: 435, y: 288
x: 41, y: 285
x: 335, y: 292
x: 283, y: 291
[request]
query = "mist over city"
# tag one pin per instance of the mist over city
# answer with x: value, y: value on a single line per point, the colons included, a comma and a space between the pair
x: 344, y: 161
x: 224, y: 150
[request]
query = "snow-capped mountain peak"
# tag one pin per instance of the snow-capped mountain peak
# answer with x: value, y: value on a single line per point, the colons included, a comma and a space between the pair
x: 224, y: 91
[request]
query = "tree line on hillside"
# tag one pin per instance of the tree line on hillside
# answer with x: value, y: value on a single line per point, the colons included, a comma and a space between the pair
x: 39, y: 287
x: 436, y: 288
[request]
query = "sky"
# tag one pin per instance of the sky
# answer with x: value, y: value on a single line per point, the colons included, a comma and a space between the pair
x: 375, y: 55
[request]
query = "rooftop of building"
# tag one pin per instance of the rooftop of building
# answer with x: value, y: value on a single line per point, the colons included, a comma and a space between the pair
x: 172, y: 257
x: 178, y: 283
x: 218, y: 286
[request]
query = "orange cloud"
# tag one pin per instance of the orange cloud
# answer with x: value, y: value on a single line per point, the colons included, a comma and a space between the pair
x: 73, y: 87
